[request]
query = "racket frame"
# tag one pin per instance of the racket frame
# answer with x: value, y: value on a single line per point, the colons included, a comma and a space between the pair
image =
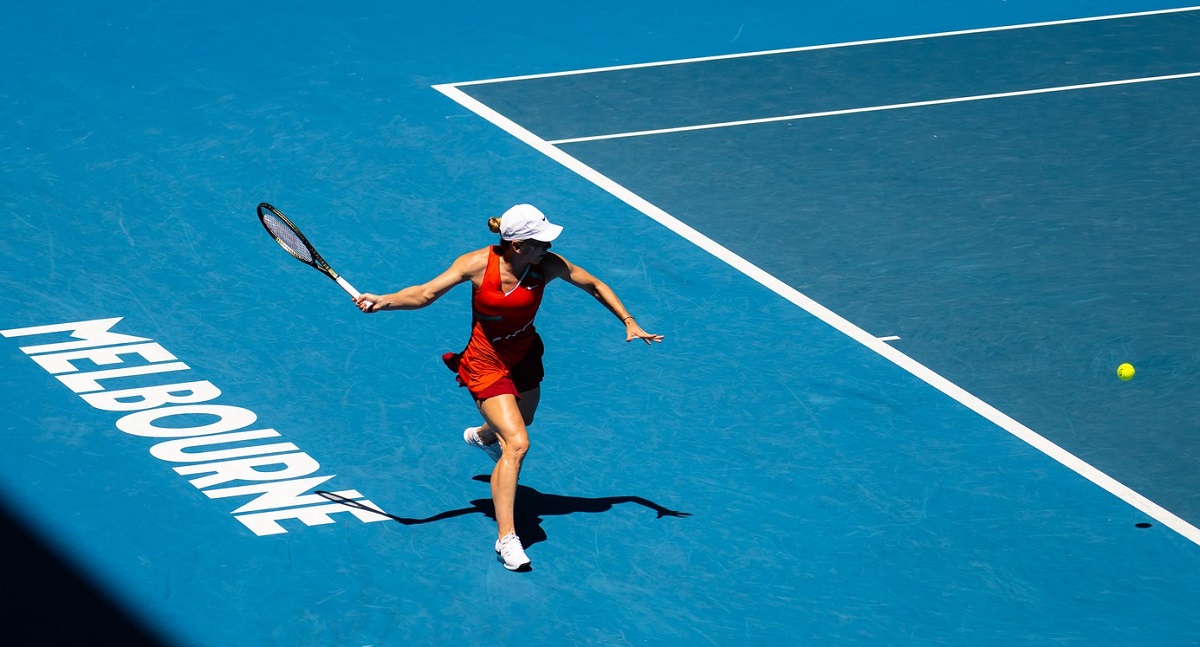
x: 317, y: 261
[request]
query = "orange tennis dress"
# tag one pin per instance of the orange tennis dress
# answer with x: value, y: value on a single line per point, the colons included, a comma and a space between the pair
x: 504, y: 354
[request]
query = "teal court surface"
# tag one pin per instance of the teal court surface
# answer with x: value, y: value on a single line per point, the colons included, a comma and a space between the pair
x: 897, y: 253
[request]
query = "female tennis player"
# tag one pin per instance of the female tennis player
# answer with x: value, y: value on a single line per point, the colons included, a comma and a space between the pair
x: 502, y: 364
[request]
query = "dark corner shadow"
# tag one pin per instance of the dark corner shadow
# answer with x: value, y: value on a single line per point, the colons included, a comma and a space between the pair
x: 45, y: 601
x: 532, y: 506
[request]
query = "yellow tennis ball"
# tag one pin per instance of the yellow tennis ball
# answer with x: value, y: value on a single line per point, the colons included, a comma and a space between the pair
x: 1125, y: 371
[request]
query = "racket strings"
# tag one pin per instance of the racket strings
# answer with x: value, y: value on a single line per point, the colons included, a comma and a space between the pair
x: 287, y: 238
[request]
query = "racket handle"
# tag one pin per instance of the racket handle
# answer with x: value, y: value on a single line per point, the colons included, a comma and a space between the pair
x: 350, y: 289
x: 347, y: 287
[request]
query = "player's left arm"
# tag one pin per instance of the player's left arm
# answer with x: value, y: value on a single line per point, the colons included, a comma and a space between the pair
x: 556, y: 266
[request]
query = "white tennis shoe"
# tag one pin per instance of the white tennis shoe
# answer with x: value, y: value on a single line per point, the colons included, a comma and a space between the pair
x: 494, y: 451
x: 511, y: 553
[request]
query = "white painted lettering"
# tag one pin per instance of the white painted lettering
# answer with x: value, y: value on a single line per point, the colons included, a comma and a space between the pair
x: 55, y: 363
x: 90, y: 333
x: 267, y: 523
x: 279, y: 494
x: 295, y: 465
x: 173, y: 450
x: 229, y: 418
x: 87, y: 382
x: 150, y: 397
x: 276, y: 474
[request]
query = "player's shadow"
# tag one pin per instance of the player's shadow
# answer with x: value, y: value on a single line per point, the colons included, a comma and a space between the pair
x: 532, y: 506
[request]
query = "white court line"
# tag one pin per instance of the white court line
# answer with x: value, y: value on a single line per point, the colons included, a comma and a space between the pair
x: 894, y: 106
x: 1072, y: 462
x: 790, y: 50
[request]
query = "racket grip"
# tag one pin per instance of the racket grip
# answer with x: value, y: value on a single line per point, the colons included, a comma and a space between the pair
x: 350, y: 289
x: 347, y: 287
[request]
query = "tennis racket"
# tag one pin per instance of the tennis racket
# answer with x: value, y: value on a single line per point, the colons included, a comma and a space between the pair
x: 289, y: 237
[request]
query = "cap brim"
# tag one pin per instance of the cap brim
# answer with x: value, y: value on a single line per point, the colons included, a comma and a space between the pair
x: 551, y: 232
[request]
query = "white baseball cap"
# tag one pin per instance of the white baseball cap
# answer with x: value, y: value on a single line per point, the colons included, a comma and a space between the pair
x: 524, y: 222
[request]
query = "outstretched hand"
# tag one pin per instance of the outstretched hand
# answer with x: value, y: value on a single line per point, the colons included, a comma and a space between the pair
x: 634, y: 331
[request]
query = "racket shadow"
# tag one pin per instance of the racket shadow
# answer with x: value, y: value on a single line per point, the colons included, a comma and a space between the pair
x: 532, y: 507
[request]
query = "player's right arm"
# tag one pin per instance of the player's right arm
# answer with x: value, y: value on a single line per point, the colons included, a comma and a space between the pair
x: 468, y: 267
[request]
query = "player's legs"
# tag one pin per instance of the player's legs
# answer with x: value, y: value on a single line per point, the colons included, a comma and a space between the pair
x: 528, y: 405
x: 504, y: 417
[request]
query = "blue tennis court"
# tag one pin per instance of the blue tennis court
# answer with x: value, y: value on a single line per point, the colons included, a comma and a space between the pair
x: 897, y: 254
